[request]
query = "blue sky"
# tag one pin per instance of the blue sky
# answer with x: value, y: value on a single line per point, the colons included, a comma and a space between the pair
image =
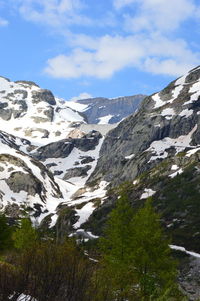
x: 104, y: 48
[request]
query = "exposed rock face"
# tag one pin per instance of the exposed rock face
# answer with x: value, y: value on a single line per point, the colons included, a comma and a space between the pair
x: 170, y: 114
x: 105, y: 110
x: 43, y: 95
x: 63, y: 148
x: 19, y: 181
x: 25, y: 183
x: 77, y: 172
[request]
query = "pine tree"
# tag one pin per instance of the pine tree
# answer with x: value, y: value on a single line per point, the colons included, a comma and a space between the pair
x: 136, y: 262
x: 25, y: 236
x: 116, y: 246
x: 153, y: 265
x: 5, y: 233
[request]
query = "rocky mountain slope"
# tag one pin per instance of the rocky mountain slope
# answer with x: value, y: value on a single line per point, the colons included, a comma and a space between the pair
x: 166, y: 124
x: 47, y: 153
x: 157, y: 151
x: 102, y: 110
x: 158, y: 148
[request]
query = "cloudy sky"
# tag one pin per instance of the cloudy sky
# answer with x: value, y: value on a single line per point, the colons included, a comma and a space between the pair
x: 104, y: 48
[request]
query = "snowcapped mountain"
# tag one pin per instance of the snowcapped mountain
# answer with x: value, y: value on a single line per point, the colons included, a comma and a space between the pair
x: 45, y: 155
x: 85, y: 163
x: 102, y: 110
x: 166, y: 124
x: 41, y: 149
x: 65, y: 172
x: 35, y: 114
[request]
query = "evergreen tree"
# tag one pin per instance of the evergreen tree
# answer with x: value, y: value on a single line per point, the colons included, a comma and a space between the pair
x: 153, y: 265
x: 5, y: 233
x: 136, y: 262
x: 25, y: 236
x: 115, y: 273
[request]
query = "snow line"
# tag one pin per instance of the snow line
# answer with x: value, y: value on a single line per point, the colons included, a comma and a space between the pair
x: 182, y: 249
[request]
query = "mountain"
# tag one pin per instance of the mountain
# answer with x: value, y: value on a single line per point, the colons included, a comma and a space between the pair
x: 25, y: 183
x: 47, y: 153
x: 157, y: 150
x: 35, y: 114
x: 102, y: 110
x: 65, y: 172
x: 166, y: 124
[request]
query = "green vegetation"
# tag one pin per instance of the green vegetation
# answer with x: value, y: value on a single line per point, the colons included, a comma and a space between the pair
x: 136, y: 263
x: 5, y: 234
x: 132, y: 261
x: 25, y: 236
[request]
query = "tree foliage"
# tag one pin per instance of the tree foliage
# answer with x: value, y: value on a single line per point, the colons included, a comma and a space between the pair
x: 136, y: 263
x: 47, y: 272
x: 25, y: 236
x: 5, y: 233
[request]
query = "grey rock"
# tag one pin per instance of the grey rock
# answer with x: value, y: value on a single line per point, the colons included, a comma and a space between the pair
x: 19, y: 181
x: 5, y: 114
x: 3, y: 105
x: 26, y: 82
x: 86, y: 159
x: 77, y: 172
x: 119, y: 108
x: 63, y: 148
x: 43, y: 95
x: 135, y: 134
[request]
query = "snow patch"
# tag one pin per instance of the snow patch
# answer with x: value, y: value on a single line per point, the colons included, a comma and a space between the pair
x: 168, y: 113
x: 105, y: 119
x: 178, y: 172
x: 130, y: 156
x: 174, y: 167
x: 186, y: 113
x: 182, y: 249
x: 147, y: 193
x: 192, y: 152
x: 159, y: 147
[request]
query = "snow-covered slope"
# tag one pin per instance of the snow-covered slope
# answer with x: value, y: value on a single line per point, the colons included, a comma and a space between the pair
x: 25, y: 183
x: 34, y: 113
x: 45, y: 157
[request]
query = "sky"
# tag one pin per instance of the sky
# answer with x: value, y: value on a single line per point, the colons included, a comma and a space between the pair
x: 108, y: 48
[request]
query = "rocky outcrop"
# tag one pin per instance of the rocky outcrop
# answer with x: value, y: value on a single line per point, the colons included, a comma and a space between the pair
x: 111, y: 110
x: 43, y: 95
x: 63, y: 148
x: 77, y: 172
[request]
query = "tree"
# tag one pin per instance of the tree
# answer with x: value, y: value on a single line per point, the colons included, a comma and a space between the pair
x: 25, y: 236
x: 5, y: 233
x: 136, y: 263
x: 115, y: 272
x: 154, y: 267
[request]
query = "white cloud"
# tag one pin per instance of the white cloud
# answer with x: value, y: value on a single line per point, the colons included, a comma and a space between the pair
x: 104, y: 56
x: 3, y: 22
x: 157, y: 15
x: 83, y: 95
x: 167, y: 67
x: 111, y: 55
x: 55, y: 13
x: 149, y: 44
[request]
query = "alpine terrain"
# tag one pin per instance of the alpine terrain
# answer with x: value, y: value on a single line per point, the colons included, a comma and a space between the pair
x: 62, y: 162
